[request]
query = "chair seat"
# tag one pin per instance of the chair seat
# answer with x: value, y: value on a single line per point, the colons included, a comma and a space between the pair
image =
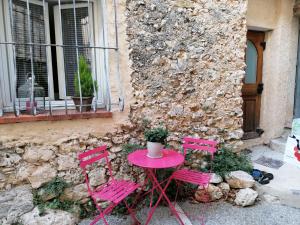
x: 192, y: 176
x: 115, y: 190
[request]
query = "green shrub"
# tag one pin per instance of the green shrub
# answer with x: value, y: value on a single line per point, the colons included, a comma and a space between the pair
x: 86, y: 80
x: 55, y: 186
x: 226, y: 161
x: 158, y: 134
x: 55, y: 189
x: 128, y: 148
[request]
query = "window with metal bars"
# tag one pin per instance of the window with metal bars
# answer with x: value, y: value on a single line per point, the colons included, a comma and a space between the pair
x: 40, y: 44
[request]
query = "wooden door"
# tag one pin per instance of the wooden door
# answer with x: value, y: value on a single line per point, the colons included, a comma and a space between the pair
x: 253, y: 86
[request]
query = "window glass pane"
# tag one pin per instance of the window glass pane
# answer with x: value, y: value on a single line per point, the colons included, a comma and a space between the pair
x: 68, y: 30
x: 251, y: 61
x: 21, y: 37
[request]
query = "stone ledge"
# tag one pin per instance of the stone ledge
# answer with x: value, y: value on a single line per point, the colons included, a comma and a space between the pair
x: 57, y: 115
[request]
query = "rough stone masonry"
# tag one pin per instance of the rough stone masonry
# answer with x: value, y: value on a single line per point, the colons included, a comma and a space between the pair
x: 187, y: 58
x: 188, y: 63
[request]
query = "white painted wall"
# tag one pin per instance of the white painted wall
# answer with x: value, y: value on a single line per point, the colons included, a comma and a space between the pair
x: 263, y: 14
x: 279, y: 69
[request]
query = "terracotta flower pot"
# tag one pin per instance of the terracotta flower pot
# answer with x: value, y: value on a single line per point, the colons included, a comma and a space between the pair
x: 154, y: 149
x: 86, y: 103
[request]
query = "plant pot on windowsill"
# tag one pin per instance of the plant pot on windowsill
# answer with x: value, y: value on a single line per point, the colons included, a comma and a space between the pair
x: 155, y: 139
x: 86, y: 103
x: 86, y: 87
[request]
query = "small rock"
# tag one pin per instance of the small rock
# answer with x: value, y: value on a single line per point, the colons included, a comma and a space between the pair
x: 215, y: 179
x: 245, y: 197
x: 66, y: 162
x: 76, y: 193
x: 38, y: 154
x: 51, y: 217
x: 231, y: 195
x: 9, y: 159
x: 115, y: 149
x: 239, y: 179
x: 2, y: 177
x: 211, y: 193
x: 117, y: 140
x: 225, y: 188
x: 176, y: 111
x: 97, y: 176
x: 41, y: 175
x: 215, y: 192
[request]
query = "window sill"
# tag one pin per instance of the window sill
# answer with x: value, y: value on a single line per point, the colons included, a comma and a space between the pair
x: 57, y: 115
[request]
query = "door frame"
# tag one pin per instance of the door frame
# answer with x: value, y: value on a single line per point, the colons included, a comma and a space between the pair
x: 251, y: 90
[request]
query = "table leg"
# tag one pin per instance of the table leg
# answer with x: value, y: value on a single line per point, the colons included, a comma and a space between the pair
x: 156, y: 185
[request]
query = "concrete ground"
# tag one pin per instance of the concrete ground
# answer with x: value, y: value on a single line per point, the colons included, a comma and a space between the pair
x: 286, y: 184
x: 220, y: 213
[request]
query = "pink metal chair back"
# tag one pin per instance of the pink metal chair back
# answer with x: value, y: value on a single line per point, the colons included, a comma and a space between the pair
x: 114, y: 191
x: 190, y: 143
x: 93, y: 156
x: 194, y: 176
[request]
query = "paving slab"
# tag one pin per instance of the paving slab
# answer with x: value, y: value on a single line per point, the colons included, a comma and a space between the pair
x: 223, y: 213
x: 286, y: 183
x: 219, y: 213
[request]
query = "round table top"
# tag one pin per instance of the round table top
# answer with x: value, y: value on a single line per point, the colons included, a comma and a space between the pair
x: 170, y: 158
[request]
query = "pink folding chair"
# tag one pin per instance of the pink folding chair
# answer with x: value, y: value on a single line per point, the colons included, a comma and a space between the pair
x: 114, y: 191
x: 193, y: 176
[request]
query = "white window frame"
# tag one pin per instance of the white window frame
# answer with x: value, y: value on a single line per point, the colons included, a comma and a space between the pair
x: 94, y: 26
x: 98, y: 38
x: 8, y: 35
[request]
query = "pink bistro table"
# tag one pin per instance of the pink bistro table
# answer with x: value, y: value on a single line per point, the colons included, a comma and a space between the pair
x: 170, y: 159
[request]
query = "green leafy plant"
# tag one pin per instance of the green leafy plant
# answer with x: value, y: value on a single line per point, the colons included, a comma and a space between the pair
x: 86, y: 80
x: 157, y: 134
x: 49, y: 196
x: 55, y: 186
x: 128, y: 148
x: 226, y: 161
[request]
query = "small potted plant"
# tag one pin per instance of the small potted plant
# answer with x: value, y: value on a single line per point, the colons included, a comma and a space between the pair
x: 156, y: 139
x: 87, y: 86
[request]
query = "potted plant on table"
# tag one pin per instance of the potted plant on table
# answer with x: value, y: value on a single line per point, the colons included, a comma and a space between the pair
x: 87, y: 85
x: 156, y: 139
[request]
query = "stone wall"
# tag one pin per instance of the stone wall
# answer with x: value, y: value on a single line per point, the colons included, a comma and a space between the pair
x: 188, y: 65
x: 187, y: 59
x: 24, y: 162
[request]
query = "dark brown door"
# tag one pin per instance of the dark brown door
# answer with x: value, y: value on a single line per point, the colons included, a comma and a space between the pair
x: 253, y: 86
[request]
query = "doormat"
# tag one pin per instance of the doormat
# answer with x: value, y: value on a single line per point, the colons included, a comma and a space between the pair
x: 269, y: 162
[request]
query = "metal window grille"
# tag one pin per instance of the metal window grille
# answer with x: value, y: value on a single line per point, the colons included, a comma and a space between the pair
x: 27, y: 50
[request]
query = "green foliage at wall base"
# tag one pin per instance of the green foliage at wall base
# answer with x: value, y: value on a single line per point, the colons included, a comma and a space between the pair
x: 55, y: 189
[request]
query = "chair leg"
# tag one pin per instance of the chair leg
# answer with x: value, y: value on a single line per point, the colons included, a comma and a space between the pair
x: 132, y: 214
x: 101, y: 216
x: 177, y: 190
